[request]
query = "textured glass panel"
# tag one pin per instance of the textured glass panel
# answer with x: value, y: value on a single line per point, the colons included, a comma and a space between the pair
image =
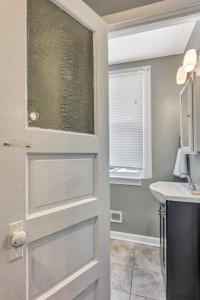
x: 60, y: 70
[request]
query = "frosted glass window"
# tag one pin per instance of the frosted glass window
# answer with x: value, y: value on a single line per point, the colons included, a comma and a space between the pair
x: 60, y: 70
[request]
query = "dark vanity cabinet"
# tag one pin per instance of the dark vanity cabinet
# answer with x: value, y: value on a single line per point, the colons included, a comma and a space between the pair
x: 180, y: 249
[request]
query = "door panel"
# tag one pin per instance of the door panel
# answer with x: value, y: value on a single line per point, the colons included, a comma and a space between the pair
x: 76, y: 285
x: 53, y: 258
x: 54, y: 169
x: 89, y: 294
x: 53, y: 179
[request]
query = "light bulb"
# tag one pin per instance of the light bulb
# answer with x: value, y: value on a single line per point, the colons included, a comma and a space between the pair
x: 34, y: 116
x: 190, y: 60
x: 181, y: 76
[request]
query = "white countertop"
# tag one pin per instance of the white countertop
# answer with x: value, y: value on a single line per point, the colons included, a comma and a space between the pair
x: 173, y: 191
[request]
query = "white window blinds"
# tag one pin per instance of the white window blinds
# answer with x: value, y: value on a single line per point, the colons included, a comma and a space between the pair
x: 127, y: 92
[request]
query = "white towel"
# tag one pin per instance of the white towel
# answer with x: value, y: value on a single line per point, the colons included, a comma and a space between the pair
x: 181, y: 165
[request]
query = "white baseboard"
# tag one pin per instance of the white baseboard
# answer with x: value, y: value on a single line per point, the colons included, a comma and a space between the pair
x: 140, y: 239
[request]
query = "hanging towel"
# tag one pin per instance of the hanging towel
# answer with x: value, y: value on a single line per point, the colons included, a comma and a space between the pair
x: 181, y: 165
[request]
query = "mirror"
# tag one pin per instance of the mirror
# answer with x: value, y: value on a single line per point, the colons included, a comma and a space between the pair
x: 186, y: 118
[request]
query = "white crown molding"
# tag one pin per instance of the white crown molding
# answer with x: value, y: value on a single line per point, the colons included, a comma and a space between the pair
x: 158, y: 11
x: 139, y: 239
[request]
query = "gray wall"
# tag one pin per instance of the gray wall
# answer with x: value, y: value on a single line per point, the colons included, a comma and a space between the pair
x: 195, y: 159
x: 139, y: 208
x: 106, y: 7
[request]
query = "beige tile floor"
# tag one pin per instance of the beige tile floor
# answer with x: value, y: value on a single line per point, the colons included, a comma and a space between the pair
x: 135, y: 272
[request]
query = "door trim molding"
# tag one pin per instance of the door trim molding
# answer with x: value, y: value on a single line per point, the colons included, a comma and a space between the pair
x: 158, y: 11
x: 140, y: 239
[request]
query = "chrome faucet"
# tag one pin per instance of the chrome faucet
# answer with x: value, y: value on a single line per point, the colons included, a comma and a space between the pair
x: 191, y: 185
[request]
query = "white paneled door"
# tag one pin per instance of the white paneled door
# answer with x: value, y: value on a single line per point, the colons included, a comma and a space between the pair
x: 54, y: 184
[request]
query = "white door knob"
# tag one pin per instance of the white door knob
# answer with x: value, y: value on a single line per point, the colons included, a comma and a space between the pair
x: 18, y: 239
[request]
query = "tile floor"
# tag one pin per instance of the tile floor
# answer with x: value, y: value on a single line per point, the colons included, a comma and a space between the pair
x: 135, y: 272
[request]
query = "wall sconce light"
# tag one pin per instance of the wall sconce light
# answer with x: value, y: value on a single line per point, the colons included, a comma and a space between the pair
x: 190, y: 60
x: 191, y: 63
x: 181, y: 76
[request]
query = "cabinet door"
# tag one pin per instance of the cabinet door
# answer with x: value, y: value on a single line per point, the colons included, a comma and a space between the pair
x: 186, y: 118
x: 183, y: 248
x: 196, y: 111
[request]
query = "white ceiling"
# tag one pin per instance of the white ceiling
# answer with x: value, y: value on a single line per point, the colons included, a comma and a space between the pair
x: 163, y: 41
x: 106, y: 7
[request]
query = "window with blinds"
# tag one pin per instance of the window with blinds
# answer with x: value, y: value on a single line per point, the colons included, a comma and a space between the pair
x: 128, y: 97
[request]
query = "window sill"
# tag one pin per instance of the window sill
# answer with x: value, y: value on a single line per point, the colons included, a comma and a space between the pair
x: 126, y: 181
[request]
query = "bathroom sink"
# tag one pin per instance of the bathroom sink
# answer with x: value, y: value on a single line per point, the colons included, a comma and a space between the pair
x: 173, y: 191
